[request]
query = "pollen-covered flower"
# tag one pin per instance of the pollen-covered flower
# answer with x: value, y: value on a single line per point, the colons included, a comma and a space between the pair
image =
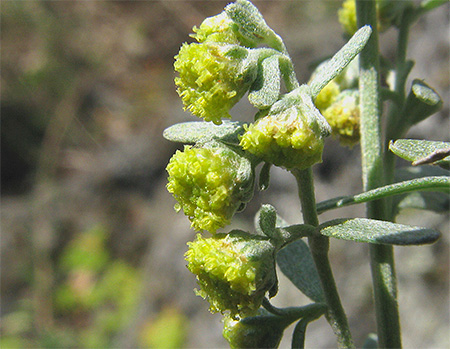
x: 213, y: 78
x: 343, y: 117
x: 284, y: 139
x: 210, y: 184
x: 234, y: 271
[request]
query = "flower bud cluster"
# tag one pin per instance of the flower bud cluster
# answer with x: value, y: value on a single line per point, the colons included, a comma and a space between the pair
x: 338, y: 102
x: 284, y: 139
x: 209, y: 183
x: 234, y: 271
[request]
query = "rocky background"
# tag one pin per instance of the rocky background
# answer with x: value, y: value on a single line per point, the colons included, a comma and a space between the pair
x: 91, y: 248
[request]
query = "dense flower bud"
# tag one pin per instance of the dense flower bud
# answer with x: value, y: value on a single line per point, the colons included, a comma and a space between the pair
x: 209, y: 184
x: 284, y: 139
x: 234, y: 271
x: 343, y: 117
x: 213, y: 78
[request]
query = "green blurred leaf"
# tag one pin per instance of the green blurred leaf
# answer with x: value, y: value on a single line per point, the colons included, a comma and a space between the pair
x: 298, y: 336
x: 296, y: 262
x: 199, y: 131
x: 371, y: 341
x: 266, y: 88
x: 422, y: 151
x: 378, y: 232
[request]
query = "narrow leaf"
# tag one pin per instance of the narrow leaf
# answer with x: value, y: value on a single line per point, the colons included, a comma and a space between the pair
x: 424, y: 200
x: 340, y: 60
x: 266, y: 219
x: 264, y: 176
x: 432, y: 183
x: 298, y: 336
x: 296, y: 262
x: 378, y: 232
x: 199, y: 131
x: 422, y: 152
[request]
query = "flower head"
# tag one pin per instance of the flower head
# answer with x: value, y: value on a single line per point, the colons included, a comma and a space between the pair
x: 347, y: 17
x: 234, y: 271
x: 343, y: 117
x: 210, y: 184
x: 212, y: 78
x: 284, y: 139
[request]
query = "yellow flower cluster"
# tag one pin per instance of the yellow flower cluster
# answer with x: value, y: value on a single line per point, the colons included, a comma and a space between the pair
x: 234, y: 271
x: 207, y: 185
x: 284, y: 139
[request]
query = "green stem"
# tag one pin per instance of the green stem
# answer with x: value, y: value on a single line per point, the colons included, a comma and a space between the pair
x: 381, y: 256
x: 319, y: 246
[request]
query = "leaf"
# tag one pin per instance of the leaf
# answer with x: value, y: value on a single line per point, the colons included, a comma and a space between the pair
x: 266, y: 88
x: 264, y: 176
x: 340, y: 60
x: 266, y: 219
x: 422, y: 102
x: 199, y: 131
x: 413, y: 184
x: 378, y: 232
x: 422, y: 151
x: 296, y: 262
x: 424, y: 200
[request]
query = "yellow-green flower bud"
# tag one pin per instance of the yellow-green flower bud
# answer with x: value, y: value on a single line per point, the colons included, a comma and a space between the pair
x: 284, y: 139
x: 209, y: 184
x: 343, y: 117
x: 234, y: 271
x: 212, y: 78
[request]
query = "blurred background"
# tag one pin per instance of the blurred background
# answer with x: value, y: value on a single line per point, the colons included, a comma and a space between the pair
x: 91, y: 248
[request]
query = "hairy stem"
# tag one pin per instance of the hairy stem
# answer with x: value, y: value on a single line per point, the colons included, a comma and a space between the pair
x: 381, y: 256
x: 319, y: 246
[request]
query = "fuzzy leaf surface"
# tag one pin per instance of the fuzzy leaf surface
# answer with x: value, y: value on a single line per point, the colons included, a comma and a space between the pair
x: 378, y: 232
x: 198, y: 131
x: 422, y: 151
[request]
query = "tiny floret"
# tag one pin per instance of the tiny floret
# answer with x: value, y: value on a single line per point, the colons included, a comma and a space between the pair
x: 211, y: 79
x: 284, y: 139
x: 209, y: 185
x: 234, y: 271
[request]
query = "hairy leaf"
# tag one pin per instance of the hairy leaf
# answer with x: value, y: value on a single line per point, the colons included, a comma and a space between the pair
x: 378, y: 232
x: 198, y: 131
x: 422, y: 152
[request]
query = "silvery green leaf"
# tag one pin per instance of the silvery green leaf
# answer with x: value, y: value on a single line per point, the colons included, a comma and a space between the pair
x: 422, y: 152
x: 296, y: 262
x: 340, y: 60
x: 378, y: 232
x: 266, y: 88
x: 422, y: 102
x: 199, y: 131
